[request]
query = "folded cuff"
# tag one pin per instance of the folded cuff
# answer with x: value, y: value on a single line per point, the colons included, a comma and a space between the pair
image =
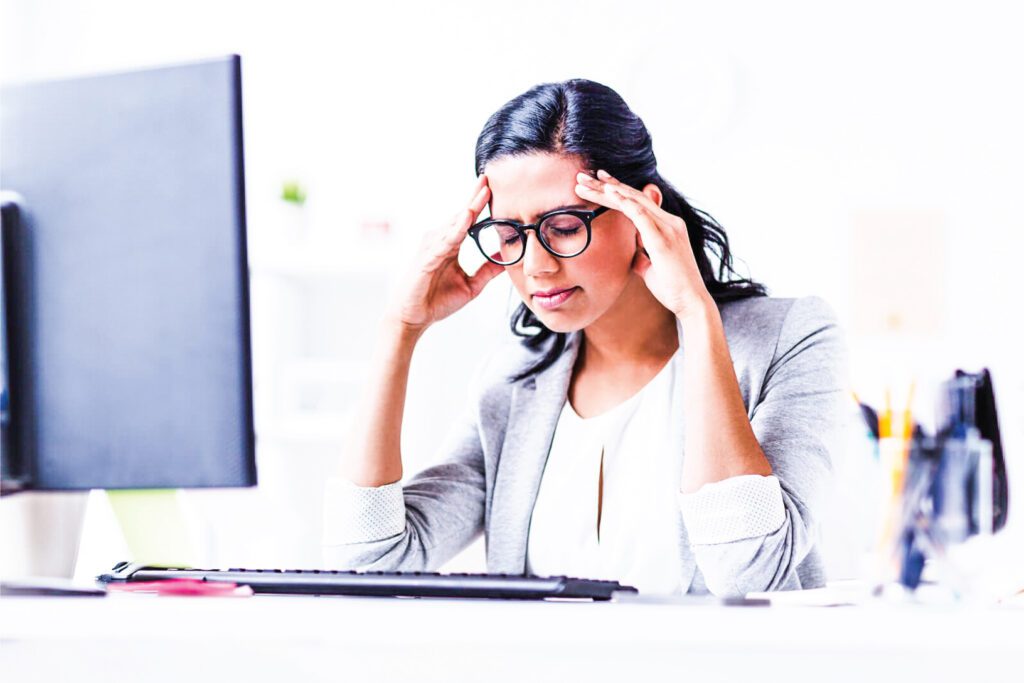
x: 733, y: 509
x: 361, y: 514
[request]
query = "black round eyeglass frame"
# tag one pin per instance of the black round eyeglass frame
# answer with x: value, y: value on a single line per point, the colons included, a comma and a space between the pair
x: 585, y: 216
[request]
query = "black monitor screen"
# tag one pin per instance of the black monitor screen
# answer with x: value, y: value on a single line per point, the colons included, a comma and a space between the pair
x: 126, y: 280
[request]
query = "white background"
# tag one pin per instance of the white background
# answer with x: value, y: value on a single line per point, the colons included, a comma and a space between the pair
x: 868, y: 153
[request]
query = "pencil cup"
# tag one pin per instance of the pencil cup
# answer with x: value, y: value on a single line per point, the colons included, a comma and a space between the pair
x: 888, y: 522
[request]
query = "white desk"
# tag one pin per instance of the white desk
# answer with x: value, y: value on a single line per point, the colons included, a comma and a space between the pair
x: 284, y: 638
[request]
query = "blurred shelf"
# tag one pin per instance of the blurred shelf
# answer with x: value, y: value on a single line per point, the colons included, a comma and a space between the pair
x: 337, y: 370
x: 308, y: 429
x: 323, y: 259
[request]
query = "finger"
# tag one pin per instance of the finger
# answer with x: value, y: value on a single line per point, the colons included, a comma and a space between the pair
x: 603, y: 176
x: 484, y: 274
x: 646, y: 224
x: 604, y: 180
x: 597, y: 196
x: 479, y: 200
x: 663, y: 217
x: 584, y: 178
x: 481, y: 180
x: 636, y: 212
x: 607, y: 185
x: 465, y: 218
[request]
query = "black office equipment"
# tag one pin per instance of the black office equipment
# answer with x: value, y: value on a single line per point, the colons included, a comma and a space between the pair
x: 987, y: 421
x: 125, y: 282
x: 968, y: 402
x: 392, y: 584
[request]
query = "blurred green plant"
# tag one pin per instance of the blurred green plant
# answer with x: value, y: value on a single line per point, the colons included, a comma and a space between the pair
x: 292, y: 191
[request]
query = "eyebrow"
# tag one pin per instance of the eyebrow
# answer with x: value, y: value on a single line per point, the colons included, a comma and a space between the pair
x: 564, y: 207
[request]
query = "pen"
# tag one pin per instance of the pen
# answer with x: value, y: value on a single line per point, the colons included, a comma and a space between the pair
x: 869, y: 415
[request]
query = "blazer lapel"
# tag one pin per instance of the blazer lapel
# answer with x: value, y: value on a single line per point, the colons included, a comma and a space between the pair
x: 536, y: 405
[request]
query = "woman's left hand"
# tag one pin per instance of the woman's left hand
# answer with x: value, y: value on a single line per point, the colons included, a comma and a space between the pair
x: 664, y: 258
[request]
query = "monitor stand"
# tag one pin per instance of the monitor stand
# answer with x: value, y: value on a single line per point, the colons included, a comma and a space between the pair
x: 154, y: 527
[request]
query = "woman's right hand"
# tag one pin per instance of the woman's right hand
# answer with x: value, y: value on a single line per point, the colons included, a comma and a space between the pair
x: 436, y: 285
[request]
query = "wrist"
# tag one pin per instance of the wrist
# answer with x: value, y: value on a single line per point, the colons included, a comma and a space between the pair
x: 699, y: 313
x: 401, y: 332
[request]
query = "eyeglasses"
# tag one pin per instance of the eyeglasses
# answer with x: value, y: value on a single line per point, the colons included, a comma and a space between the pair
x: 564, y: 233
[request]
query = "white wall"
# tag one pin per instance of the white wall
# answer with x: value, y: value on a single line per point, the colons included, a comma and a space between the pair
x: 869, y: 153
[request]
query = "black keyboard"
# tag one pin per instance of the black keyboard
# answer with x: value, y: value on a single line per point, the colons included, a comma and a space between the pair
x: 395, y: 584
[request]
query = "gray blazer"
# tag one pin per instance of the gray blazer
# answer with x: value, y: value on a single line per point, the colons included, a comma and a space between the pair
x: 790, y: 362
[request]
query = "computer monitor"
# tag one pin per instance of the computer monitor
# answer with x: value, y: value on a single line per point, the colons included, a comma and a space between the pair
x: 125, y: 282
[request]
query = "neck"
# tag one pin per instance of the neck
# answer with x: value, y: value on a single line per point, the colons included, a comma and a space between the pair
x: 636, y: 329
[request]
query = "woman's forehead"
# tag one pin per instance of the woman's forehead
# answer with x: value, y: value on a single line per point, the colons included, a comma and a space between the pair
x: 525, y: 186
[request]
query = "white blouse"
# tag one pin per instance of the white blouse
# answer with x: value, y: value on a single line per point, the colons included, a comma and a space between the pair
x: 643, y: 511
x: 638, y: 539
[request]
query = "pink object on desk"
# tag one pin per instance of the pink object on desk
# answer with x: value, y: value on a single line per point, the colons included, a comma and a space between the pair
x: 184, y: 587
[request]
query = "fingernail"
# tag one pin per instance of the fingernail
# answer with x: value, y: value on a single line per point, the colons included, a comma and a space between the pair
x: 603, y: 174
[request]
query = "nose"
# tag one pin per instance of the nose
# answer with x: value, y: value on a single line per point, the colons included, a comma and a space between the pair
x: 536, y: 259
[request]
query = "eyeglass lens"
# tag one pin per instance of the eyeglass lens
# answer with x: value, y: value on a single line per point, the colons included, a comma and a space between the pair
x: 563, y: 234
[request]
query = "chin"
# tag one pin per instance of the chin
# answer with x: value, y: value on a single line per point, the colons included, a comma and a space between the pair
x: 561, y: 326
x: 559, y: 322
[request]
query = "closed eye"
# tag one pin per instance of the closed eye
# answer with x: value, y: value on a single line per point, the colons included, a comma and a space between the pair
x: 508, y: 234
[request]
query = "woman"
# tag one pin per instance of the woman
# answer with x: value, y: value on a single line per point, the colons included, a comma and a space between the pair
x: 661, y: 422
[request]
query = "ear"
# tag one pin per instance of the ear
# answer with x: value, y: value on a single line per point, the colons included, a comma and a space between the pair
x: 653, y: 192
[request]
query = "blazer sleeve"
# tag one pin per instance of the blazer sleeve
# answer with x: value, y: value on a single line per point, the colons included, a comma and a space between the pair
x: 750, y: 533
x: 415, y: 527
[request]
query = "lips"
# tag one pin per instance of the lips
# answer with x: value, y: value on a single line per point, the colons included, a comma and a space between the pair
x: 552, y: 292
x: 553, y: 298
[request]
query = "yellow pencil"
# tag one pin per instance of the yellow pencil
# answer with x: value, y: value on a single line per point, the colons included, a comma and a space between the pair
x: 885, y: 419
x: 908, y: 421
